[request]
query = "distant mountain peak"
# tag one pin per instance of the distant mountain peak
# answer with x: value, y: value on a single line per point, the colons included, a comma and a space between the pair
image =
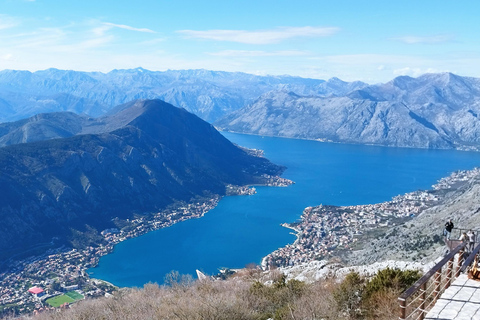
x: 281, y: 94
x: 401, y: 82
x: 140, y: 69
x: 441, y: 79
x: 336, y: 80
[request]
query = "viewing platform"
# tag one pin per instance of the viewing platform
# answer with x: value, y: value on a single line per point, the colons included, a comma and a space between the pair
x: 447, y: 291
x: 461, y: 301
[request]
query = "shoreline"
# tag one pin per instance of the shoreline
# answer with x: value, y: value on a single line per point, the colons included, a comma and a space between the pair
x: 327, y: 231
x: 73, y: 263
x: 325, y: 140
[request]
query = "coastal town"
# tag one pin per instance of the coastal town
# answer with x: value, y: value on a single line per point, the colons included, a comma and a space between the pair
x: 325, y: 230
x: 63, y: 270
x: 31, y: 285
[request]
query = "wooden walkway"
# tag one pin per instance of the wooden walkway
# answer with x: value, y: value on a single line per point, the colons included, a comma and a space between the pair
x: 461, y: 301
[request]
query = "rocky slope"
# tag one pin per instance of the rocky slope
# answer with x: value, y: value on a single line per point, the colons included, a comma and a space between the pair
x: 208, y: 94
x: 406, y: 243
x: 139, y: 160
x: 431, y: 111
x: 421, y: 238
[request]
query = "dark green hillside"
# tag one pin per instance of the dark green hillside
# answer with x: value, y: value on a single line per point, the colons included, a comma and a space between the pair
x: 156, y: 154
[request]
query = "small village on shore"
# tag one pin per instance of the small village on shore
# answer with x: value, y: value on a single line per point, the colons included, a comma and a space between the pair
x: 64, y: 269
x: 325, y: 230
x: 29, y: 285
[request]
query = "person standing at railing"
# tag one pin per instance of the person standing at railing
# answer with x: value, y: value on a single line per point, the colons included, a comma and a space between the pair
x: 448, y: 229
x: 471, y: 240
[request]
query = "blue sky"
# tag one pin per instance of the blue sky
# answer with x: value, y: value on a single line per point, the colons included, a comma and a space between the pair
x: 372, y: 41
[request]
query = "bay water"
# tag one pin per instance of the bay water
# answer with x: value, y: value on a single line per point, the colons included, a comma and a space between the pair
x: 243, y: 229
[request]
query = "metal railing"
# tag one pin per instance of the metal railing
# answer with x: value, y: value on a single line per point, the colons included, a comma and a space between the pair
x: 419, y: 298
x: 470, y: 258
x: 457, y: 233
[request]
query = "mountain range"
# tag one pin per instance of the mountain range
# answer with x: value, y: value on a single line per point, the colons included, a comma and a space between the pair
x: 431, y: 111
x: 208, y: 94
x: 61, y: 172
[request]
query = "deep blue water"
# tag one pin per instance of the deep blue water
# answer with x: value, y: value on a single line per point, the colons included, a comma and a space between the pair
x: 243, y: 229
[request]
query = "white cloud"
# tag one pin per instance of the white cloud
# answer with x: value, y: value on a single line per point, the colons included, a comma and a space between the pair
x: 413, y: 72
x: 123, y: 26
x: 6, y: 56
x: 374, y: 68
x: 255, y: 53
x: 106, y: 26
x: 43, y: 37
x: 153, y: 41
x: 91, y: 45
x: 425, y: 40
x: 261, y: 36
x: 7, y: 22
x: 101, y: 30
x: 369, y: 59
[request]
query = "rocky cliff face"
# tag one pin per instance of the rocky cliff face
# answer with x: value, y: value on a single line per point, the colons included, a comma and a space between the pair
x: 136, y: 161
x: 208, y: 94
x: 432, y: 111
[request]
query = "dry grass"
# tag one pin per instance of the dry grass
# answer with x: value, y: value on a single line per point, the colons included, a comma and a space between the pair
x: 241, y: 297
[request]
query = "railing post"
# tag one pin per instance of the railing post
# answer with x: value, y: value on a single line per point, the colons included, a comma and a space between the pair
x: 423, y: 297
x: 449, y: 272
x: 459, y: 262
x: 438, y: 283
x: 403, y: 308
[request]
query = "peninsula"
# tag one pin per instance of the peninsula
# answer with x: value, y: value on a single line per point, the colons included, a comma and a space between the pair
x: 325, y: 231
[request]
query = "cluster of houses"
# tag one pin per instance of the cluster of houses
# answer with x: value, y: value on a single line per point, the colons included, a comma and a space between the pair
x: 323, y: 229
x: 456, y: 177
x: 69, y: 265
x: 30, y: 282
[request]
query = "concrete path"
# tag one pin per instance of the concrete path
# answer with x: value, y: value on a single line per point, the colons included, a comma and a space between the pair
x: 461, y: 301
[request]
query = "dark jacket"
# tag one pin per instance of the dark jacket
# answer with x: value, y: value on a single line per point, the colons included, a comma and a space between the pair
x: 449, y: 226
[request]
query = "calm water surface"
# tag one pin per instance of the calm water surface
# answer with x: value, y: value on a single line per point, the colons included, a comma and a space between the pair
x: 243, y: 229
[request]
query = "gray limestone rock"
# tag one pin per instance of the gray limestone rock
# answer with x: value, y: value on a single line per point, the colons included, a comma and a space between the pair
x: 432, y: 111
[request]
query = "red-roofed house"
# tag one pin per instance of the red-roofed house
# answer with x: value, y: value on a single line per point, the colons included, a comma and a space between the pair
x: 36, y: 291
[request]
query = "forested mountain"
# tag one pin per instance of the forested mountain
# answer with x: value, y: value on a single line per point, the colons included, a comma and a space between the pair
x: 138, y: 160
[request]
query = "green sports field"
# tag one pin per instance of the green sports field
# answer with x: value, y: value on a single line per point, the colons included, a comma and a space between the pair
x: 74, y: 295
x: 59, y: 300
x: 69, y: 297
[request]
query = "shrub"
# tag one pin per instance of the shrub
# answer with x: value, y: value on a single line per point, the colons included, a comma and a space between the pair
x: 379, y: 299
x: 277, y: 300
x: 388, y: 278
x: 316, y: 302
x: 348, y: 295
